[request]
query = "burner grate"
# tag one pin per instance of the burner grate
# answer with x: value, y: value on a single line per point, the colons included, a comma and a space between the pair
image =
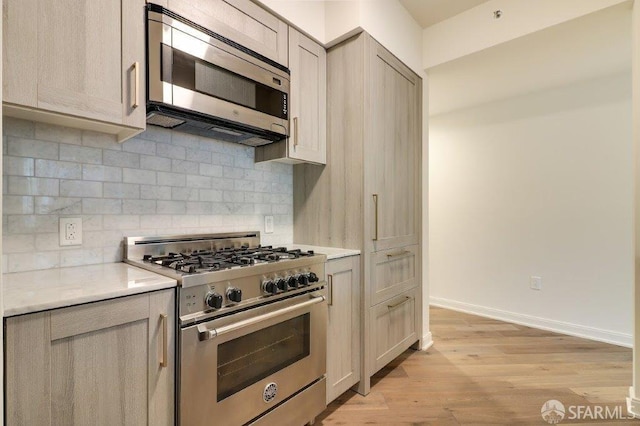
x: 225, y: 258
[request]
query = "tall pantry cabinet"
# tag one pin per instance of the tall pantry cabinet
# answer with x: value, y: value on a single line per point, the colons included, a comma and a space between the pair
x: 368, y: 196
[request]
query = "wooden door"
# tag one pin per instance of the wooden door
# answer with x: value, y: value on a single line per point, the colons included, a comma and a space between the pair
x: 392, y: 152
x: 393, y: 329
x: 134, y: 65
x: 97, y: 364
x: 308, y: 99
x: 80, y: 58
x: 393, y: 272
x: 343, y: 332
x: 19, y: 53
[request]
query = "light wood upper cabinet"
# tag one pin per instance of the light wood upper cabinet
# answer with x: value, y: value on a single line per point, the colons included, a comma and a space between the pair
x: 102, y: 363
x: 308, y: 100
x: 239, y: 20
x: 307, y: 142
x: 393, y: 150
x: 343, y: 332
x: 79, y: 64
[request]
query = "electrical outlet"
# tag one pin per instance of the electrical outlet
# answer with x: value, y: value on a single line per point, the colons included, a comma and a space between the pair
x: 70, y: 231
x: 535, y: 283
x: 268, y: 224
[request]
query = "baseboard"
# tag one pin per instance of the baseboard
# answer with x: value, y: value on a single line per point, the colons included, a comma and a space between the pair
x: 633, y: 404
x: 427, y: 341
x: 585, y: 332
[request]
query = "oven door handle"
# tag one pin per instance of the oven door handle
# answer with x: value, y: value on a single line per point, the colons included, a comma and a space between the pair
x: 205, y: 334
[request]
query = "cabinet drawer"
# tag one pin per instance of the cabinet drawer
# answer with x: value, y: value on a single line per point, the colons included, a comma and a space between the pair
x: 393, y: 328
x: 393, y: 271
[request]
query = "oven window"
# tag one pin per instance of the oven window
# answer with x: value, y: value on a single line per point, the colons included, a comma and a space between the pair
x: 252, y: 357
x: 200, y: 76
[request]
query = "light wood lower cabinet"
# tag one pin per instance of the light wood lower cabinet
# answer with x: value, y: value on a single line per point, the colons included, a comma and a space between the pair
x: 343, y: 332
x: 393, y: 328
x: 103, y: 363
x: 394, y: 271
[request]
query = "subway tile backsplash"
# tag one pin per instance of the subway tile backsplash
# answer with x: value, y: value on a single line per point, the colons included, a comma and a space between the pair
x: 160, y: 182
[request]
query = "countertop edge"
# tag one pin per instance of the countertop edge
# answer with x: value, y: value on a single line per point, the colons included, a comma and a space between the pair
x: 152, y: 282
x: 332, y: 253
x: 32, y: 309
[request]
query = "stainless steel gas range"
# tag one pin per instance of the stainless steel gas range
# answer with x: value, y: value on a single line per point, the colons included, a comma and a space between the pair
x: 252, y: 319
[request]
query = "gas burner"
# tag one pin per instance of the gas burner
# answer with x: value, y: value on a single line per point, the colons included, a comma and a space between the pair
x: 208, y: 260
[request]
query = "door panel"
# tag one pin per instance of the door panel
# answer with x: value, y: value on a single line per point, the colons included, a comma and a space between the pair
x: 393, y: 271
x: 79, y: 58
x: 308, y: 62
x: 394, y: 151
x: 393, y: 328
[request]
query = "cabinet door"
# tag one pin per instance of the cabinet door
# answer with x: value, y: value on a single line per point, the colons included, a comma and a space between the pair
x: 93, y: 364
x: 83, y: 61
x: 392, y: 153
x: 19, y: 53
x: 308, y: 100
x: 343, y: 332
x: 393, y: 328
x: 239, y: 20
x: 80, y: 58
x: 134, y: 65
x: 393, y: 272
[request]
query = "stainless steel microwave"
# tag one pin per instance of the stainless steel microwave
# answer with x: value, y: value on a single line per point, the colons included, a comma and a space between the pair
x: 199, y: 82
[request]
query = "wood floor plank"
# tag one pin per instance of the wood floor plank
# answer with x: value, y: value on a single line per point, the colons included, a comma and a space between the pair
x: 481, y: 371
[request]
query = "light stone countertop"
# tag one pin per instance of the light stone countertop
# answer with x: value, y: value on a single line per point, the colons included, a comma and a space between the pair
x: 26, y: 292
x: 330, y: 252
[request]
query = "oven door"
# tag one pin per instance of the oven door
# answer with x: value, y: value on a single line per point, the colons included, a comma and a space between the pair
x: 242, y: 365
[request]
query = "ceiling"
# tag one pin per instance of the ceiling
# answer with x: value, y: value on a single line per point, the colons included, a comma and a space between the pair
x: 429, y: 12
x: 583, y: 49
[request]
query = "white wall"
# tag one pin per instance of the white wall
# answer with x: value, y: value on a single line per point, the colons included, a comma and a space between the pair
x: 541, y: 185
x: 330, y: 21
x: 307, y: 15
x: 476, y: 29
x: 390, y: 23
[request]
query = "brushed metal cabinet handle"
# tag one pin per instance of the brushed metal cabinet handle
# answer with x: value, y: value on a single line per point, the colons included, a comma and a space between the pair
x: 395, y: 305
x: 375, y: 219
x: 165, y: 340
x: 295, y: 132
x: 398, y: 253
x: 136, y: 92
x: 330, y: 285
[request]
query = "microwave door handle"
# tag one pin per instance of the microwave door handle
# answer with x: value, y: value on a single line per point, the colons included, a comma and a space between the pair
x: 205, y: 334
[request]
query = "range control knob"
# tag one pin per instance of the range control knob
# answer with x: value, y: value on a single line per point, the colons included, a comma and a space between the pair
x: 313, y: 278
x: 234, y: 294
x: 269, y: 287
x: 292, y: 282
x: 281, y: 283
x: 213, y: 300
x: 303, y: 279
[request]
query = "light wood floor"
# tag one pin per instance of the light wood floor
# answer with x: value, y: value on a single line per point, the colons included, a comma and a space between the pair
x: 483, y: 371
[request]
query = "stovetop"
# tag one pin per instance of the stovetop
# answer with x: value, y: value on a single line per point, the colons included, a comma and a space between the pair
x: 204, y: 260
x: 221, y: 273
